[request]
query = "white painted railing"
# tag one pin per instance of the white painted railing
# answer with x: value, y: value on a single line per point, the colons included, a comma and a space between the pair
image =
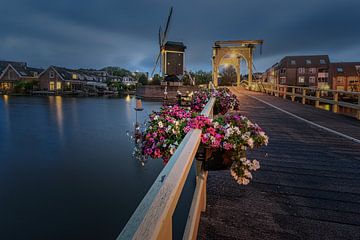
x: 153, y: 217
x: 304, y: 93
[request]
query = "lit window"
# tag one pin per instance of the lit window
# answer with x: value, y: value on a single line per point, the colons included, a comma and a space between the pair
x: 357, y: 68
x: 301, y: 79
x: 340, y: 70
x: 301, y: 70
x: 308, y: 61
x: 51, y: 74
x: 311, y: 79
x: 74, y: 76
x: 312, y: 70
x: 293, y: 62
x: 58, y: 85
x: 52, y: 86
x: 322, y: 61
x: 340, y: 80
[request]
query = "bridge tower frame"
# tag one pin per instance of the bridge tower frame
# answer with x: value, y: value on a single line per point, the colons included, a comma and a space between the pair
x: 231, y: 53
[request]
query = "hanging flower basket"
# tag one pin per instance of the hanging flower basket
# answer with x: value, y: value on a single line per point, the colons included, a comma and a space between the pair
x: 204, y: 153
x: 219, y: 160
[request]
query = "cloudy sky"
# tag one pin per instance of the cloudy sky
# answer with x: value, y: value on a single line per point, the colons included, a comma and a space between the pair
x: 98, y: 33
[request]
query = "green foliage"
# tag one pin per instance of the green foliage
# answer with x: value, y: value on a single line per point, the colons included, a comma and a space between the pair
x: 143, y: 79
x: 117, y: 71
x: 201, y: 77
x: 120, y: 87
x: 228, y: 76
x: 156, y: 80
x: 24, y: 86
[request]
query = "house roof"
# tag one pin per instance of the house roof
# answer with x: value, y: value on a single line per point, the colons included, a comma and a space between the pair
x: 175, y: 46
x: 304, y: 61
x: 81, y: 74
x: 20, y: 68
x: 345, y: 69
x: 4, y: 64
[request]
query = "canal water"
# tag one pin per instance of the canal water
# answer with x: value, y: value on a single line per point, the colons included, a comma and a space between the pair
x: 66, y: 167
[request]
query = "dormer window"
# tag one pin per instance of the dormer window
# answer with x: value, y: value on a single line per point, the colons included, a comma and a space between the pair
x: 357, y: 67
x: 308, y: 61
x: 322, y: 61
x: 340, y: 70
x: 293, y: 62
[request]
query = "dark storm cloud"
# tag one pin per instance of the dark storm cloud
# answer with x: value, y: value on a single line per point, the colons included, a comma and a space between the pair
x: 97, y: 33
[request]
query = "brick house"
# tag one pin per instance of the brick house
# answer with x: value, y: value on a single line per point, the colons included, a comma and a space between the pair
x: 312, y: 70
x: 345, y: 76
x: 58, y: 79
x: 13, y: 72
x: 271, y: 74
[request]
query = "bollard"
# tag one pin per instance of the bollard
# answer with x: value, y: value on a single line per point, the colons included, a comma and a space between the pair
x: 303, y: 100
x: 358, y: 111
x: 285, y: 92
x: 317, y: 95
x: 292, y: 94
x: 336, y: 102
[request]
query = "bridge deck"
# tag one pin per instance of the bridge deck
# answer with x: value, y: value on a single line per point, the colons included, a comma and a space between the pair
x: 308, y: 186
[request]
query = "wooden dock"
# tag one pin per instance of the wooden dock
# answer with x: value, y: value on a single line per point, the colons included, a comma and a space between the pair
x: 308, y: 186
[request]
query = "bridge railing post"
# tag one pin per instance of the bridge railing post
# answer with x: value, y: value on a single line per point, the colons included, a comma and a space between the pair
x: 358, y: 110
x: 285, y: 92
x: 292, y: 94
x: 336, y: 102
x: 317, y: 101
x: 303, y: 100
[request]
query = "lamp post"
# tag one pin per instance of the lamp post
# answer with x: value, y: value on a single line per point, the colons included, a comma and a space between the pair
x: 138, y: 108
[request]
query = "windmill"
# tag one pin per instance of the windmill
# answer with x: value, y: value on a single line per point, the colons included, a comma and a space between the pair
x: 171, y: 55
x: 162, y: 40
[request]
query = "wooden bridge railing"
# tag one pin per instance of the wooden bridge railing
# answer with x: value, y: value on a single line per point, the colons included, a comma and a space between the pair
x: 153, y: 217
x: 304, y: 93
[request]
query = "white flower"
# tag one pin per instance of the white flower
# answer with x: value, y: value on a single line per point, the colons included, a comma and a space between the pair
x: 156, y: 117
x: 250, y: 142
x: 247, y: 174
x: 172, y: 149
x: 243, y: 181
x: 161, y: 125
x: 168, y: 129
x: 255, y: 165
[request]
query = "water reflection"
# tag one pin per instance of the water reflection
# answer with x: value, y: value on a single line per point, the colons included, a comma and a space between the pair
x: 56, y: 103
x: 75, y: 181
x: 6, y: 100
x: 6, y: 111
x: 128, y: 98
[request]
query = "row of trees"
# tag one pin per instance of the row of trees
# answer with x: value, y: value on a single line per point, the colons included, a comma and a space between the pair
x: 227, y: 76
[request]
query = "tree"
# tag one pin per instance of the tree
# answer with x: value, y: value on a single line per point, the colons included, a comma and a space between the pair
x: 228, y: 76
x: 116, y: 71
x: 24, y: 86
x: 156, y: 80
x: 143, y: 79
x: 202, y: 77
